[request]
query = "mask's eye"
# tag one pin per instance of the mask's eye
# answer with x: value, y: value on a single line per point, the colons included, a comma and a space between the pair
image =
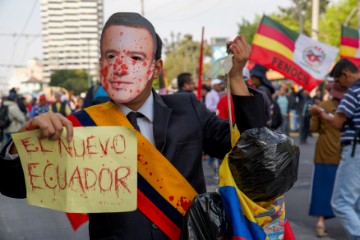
x: 137, y: 58
x: 110, y: 56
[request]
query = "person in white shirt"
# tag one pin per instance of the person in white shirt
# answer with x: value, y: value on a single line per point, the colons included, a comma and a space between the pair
x: 213, y: 97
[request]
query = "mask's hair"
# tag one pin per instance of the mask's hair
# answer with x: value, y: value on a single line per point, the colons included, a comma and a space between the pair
x: 130, y: 19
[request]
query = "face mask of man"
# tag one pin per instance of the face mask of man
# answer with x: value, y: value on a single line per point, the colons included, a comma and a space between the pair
x: 127, y: 62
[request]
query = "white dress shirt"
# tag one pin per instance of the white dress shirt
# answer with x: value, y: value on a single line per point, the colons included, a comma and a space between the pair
x: 145, y: 123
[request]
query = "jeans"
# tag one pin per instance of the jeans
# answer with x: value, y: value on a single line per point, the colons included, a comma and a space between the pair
x: 345, y: 200
x: 284, y: 128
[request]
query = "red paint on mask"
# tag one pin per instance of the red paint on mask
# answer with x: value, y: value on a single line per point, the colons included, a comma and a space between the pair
x: 133, y: 62
x: 149, y: 72
x: 144, y: 64
x: 118, y: 61
x: 124, y: 68
x: 105, y: 84
x: 104, y: 71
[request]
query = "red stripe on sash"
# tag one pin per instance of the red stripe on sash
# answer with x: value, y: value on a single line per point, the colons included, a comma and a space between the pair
x: 157, y: 216
x: 74, y: 120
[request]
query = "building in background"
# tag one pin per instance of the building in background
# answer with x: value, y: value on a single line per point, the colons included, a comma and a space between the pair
x: 70, y: 34
x: 218, y: 46
x: 26, y: 79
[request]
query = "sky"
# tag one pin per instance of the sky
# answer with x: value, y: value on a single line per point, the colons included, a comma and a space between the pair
x: 220, y: 18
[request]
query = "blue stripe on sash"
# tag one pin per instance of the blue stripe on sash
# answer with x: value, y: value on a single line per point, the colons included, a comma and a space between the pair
x: 159, y: 201
x: 84, y: 118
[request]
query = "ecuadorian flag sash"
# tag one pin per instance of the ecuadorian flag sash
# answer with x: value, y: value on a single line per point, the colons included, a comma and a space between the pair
x: 157, y: 177
x: 251, y: 220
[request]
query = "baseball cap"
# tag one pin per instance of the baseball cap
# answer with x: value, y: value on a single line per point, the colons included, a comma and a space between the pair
x: 215, y: 81
x: 42, y: 97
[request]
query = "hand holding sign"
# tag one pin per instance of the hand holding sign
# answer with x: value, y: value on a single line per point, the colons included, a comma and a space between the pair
x: 51, y: 126
x: 96, y: 171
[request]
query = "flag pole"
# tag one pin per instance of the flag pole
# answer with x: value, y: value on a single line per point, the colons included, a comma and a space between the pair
x: 200, y: 66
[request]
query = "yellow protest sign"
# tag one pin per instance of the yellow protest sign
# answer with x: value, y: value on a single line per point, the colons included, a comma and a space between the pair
x: 95, y: 172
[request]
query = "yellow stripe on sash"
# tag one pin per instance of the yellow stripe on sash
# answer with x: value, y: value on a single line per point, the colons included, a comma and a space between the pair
x: 152, y: 165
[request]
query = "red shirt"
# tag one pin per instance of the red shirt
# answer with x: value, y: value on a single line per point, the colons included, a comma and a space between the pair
x: 222, y: 108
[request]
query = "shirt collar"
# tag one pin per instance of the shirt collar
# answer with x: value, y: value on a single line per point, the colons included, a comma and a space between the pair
x: 147, y: 109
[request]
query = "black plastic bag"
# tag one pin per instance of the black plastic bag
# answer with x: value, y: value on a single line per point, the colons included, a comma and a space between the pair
x: 264, y: 163
x: 206, y: 219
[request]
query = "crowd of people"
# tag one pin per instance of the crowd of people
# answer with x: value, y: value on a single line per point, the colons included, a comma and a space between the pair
x: 165, y: 124
x: 21, y: 108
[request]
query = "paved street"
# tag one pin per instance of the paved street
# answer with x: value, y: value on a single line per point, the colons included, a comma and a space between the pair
x: 19, y: 221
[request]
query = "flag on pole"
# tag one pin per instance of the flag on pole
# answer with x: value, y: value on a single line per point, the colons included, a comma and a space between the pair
x: 294, y: 55
x: 200, y: 65
x: 350, y: 44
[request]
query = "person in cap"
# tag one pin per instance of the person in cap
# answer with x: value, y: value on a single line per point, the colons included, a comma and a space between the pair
x: 262, y: 84
x: 177, y: 128
x: 260, y: 81
x: 345, y: 200
x: 41, y: 107
x: 326, y: 159
x: 213, y: 97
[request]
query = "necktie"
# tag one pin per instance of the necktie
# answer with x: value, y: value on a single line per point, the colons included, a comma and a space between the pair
x: 132, y: 119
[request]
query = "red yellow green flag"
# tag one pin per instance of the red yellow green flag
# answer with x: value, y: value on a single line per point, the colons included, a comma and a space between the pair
x: 350, y: 44
x: 294, y: 55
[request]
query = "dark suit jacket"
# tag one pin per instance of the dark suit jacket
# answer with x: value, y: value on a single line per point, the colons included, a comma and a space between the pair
x: 183, y: 129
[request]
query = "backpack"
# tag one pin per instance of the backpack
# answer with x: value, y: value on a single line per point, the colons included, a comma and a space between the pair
x: 4, y: 117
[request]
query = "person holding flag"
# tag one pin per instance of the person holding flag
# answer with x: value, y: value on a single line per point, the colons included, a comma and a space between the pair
x: 130, y: 60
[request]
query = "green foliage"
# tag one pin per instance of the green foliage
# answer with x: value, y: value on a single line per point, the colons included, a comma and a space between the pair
x: 248, y: 29
x: 75, y: 81
x: 182, y: 55
x: 335, y: 16
x: 290, y: 17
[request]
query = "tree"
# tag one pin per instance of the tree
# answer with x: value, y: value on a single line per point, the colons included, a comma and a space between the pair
x: 74, y: 81
x: 299, y: 15
x: 335, y: 16
x: 182, y: 55
x: 248, y: 29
